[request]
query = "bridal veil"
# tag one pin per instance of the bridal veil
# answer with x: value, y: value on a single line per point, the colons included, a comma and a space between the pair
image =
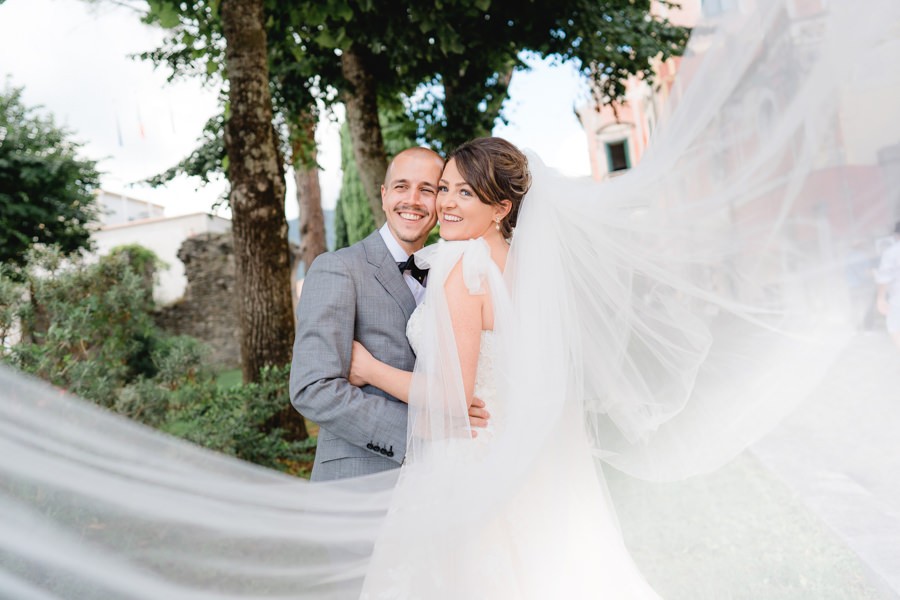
x: 681, y: 311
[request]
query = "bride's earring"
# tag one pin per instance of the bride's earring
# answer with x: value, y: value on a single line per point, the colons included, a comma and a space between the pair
x: 497, y: 223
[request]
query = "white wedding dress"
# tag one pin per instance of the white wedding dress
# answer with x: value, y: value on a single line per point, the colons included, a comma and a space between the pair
x: 556, y: 536
x: 658, y: 322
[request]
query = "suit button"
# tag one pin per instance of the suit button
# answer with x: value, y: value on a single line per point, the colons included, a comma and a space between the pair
x: 390, y: 453
x: 370, y: 446
x: 376, y: 448
x: 383, y: 451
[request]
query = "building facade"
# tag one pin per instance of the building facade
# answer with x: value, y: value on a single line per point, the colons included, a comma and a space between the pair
x: 117, y: 209
x: 618, y: 133
x: 129, y: 220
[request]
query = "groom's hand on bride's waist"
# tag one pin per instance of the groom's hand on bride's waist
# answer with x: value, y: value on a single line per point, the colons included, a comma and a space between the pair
x: 478, y: 416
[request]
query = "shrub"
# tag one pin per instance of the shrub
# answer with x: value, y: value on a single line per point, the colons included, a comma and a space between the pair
x: 87, y: 327
x: 235, y: 420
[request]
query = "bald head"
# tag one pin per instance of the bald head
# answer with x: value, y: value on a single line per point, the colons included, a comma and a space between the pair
x: 422, y: 154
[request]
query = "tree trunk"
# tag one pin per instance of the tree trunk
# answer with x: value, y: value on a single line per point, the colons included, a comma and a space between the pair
x: 309, y: 194
x: 361, y: 101
x: 257, y: 201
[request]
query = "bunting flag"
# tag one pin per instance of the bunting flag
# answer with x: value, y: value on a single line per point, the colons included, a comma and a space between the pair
x: 141, y: 131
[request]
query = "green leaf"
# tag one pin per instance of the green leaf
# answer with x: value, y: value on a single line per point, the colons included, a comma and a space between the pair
x: 47, y: 189
x: 168, y: 16
x: 326, y: 39
x: 346, y: 13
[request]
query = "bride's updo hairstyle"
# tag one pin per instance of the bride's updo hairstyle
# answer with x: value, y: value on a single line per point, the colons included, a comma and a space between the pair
x: 497, y: 171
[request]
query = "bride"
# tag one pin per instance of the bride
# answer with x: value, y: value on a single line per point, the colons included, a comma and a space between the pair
x: 657, y: 323
x: 516, y: 552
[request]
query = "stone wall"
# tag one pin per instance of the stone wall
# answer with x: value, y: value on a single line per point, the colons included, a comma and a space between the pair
x: 208, y: 310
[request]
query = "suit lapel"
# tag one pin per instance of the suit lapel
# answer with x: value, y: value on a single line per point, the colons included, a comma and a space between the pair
x: 387, y: 274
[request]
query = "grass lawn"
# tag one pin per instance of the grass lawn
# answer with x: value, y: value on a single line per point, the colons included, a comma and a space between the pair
x: 738, y: 534
x: 227, y: 379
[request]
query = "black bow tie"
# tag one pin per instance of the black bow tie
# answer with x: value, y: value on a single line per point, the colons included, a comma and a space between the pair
x: 410, y: 265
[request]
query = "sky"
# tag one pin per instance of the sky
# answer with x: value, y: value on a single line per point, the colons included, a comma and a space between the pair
x: 74, y: 60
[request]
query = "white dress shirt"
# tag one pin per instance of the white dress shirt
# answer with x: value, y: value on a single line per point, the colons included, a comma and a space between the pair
x: 400, y: 255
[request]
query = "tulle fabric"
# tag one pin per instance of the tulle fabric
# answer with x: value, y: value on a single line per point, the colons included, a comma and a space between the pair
x: 712, y: 291
x: 96, y: 506
x: 675, y: 314
x: 675, y: 376
x: 510, y: 511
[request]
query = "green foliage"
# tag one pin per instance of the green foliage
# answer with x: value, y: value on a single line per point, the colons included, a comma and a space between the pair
x: 398, y: 130
x: 612, y: 41
x: 12, y: 295
x: 206, y: 161
x: 178, y: 375
x: 194, y: 48
x: 185, y: 400
x: 139, y: 259
x: 46, y: 191
x: 194, y: 44
x: 474, y: 47
x: 449, y: 68
x: 229, y: 378
x: 234, y: 420
x: 352, y: 216
x: 88, y: 328
x: 452, y: 66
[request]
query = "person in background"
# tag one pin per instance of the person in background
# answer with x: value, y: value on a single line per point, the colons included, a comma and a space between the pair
x: 887, y: 276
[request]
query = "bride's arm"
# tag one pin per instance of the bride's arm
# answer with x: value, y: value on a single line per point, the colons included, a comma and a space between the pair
x: 467, y: 318
x: 365, y: 369
x: 467, y: 315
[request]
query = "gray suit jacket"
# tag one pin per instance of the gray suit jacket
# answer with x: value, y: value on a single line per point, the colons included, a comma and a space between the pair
x: 354, y: 293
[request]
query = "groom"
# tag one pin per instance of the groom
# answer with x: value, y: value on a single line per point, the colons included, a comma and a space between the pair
x: 364, y: 292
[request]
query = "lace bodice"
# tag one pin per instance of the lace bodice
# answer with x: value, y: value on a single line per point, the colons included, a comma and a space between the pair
x: 485, y: 384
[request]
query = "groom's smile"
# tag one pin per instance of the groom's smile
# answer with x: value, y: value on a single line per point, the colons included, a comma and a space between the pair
x: 409, y: 216
x: 408, y: 196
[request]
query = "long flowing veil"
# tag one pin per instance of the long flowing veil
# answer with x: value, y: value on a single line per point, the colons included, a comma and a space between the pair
x: 678, y: 312
x: 705, y: 294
